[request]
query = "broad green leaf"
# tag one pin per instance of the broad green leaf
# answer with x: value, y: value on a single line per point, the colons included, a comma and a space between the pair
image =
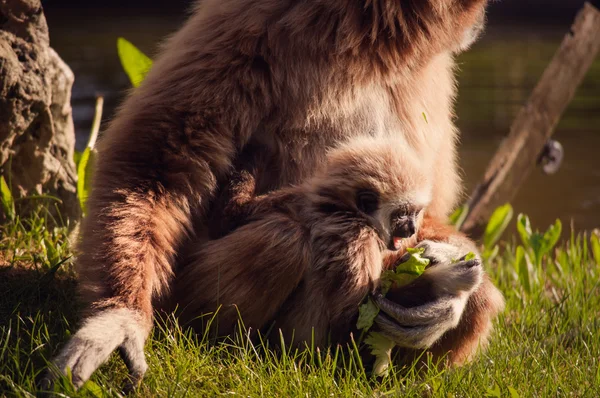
x: 84, y: 174
x: 403, y: 274
x: 595, y: 243
x: 8, y: 203
x: 366, y: 315
x: 381, y: 347
x: 551, y: 237
x: 457, y: 218
x: 494, y: 392
x: 497, y: 224
x: 513, y: 393
x: 135, y: 63
x: 536, y: 242
x: 93, y: 389
x: 416, y: 263
x: 524, y: 229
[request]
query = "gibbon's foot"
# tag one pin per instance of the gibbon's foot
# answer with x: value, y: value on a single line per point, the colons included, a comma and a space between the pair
x: 100, y: 335
x: 421, y: 312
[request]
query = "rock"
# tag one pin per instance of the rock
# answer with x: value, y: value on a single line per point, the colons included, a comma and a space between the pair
x: 37, y: 137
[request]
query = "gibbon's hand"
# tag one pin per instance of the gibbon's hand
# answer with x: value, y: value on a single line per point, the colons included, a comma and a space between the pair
x: 418, y: 314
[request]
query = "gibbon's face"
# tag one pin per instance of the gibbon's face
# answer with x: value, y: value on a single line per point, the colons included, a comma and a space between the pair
x: 381, y: 182
x: 395, y: 215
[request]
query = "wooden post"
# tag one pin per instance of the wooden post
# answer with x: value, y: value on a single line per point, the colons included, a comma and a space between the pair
x: 535, y: 123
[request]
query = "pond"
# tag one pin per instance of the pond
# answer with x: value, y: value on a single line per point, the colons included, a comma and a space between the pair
x: 495, y: 78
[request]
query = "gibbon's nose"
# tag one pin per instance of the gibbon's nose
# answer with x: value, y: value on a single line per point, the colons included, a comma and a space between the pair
x: 402, y: 226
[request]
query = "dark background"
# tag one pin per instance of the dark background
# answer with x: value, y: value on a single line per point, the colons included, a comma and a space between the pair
x: 495, y: 78
x: 535, y: 11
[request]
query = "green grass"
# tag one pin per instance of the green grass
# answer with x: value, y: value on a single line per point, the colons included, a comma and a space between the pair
x: 546, y: 343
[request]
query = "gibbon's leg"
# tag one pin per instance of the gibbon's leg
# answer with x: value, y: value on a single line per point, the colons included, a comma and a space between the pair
x: 449, y: 308
x: 147, y: 187
x: 248, y: 273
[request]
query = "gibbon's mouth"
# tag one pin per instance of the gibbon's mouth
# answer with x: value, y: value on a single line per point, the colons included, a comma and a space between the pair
x: 402, y: 227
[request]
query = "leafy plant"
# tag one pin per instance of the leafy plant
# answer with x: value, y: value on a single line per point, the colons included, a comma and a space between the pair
x: 8, y: 202
x: 497, y: 224
x: 135, y: 63
x: 87, y: 159
x: 380, y: 346
x: 535, y: 246
x: 499, y: 221
x: 595, y: 243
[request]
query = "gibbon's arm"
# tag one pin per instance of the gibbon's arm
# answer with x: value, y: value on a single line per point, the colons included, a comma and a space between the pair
x: 346, y: 258
x: 159, y: 165
x: 249, y: 273
x: 450, y: 308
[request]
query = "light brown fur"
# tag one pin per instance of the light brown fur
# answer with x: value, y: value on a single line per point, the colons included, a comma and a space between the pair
x: 279, y: 78
x: 307, y: 255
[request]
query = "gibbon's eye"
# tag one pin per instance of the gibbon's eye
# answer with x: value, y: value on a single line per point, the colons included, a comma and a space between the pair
x: 367, y: 201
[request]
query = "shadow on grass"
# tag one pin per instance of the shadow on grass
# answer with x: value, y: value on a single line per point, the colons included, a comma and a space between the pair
x: 36, y: 311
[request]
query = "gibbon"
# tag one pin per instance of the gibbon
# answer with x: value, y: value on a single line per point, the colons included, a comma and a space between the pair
x: 332, y: 236
x: 281, y: 80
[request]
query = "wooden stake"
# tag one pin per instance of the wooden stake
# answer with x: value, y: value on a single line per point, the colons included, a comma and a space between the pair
x: 535, y: 123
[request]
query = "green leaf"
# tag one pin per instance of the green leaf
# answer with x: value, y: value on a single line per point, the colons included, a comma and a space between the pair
x: 135, y: 63
x: 416, y: 263
x: 84, y: 174
x: 381, y: 347
x: 524, y: 229
x: 551, y: 237
x: 366, y: 315
x: 92, y: 388
x: 425, y: 117
x: 405, y: 272
x: 522, y: 268
x: 513, y: 393
x: 494, y: 392
x: 595, y: 243
x: 8, y: 203
x: 458, y: 217
x: 77, y: 157
x: 497, y: 224
x: 470, y: 256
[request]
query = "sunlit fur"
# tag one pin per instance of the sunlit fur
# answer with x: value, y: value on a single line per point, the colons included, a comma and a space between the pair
x: 270, y: 84
x: 306, y: 254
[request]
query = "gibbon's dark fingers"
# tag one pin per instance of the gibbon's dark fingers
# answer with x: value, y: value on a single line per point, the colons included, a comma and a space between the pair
x: 419, y: 323
x: 418, y: 337
x: 442, y: 252
x: 455, y: 278
x: 132, y: 353
x: 423, y: 315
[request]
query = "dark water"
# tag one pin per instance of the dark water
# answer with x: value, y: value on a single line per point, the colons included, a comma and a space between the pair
x: 495, y: 77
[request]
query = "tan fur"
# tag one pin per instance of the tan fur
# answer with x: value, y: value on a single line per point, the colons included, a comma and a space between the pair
x: 306, y: 255
x: 275, y: 82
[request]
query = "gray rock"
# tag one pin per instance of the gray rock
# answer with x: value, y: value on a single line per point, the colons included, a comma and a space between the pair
x: 37, y: 137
